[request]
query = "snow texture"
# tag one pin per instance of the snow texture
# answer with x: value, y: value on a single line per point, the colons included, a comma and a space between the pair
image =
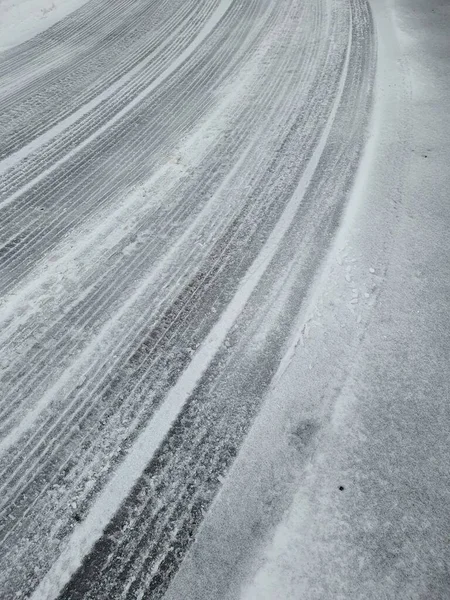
x: 21, y: 20
x: 223, y: 299
x: 346, y: 470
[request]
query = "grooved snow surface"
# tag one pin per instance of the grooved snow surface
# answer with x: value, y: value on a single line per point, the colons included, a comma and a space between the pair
x: 341, y: 488
x: 172, y: 173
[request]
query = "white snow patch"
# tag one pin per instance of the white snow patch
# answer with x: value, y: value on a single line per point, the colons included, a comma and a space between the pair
x: 21, y: 20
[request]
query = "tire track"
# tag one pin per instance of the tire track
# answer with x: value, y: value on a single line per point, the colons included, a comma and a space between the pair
x: 78, y: 80
x: 94, y: 301
x: 90, y: 361
x: 152, y: 563
x: 42, y: 195
x: 46, y: 358
x: 256, y: 220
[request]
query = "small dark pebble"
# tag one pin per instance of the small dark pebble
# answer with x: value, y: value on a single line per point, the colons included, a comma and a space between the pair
x: 77, y: 517
x: 341, y: 487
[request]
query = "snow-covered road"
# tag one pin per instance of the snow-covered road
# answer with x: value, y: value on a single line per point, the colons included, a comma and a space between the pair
x: 171, y: 175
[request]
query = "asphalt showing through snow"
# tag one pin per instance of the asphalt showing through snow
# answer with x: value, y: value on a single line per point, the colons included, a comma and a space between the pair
x: 171, y: 174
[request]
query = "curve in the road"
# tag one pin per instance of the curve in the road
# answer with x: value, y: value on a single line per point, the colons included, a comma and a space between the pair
x: 159, y: 228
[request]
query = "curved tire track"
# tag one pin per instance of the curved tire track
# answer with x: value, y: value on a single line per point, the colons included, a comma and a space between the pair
x: 128, y: 238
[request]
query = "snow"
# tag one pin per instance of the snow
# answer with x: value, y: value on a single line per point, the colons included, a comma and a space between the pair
x: 21, y: 20
x: 380, y: 536
x: 314, y: 551
x: 361, y: 511
x: 148, y: 442
x: 52, y: 133
x: 48, y: 283
x: 341, y: 487
x: 54, y: 284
